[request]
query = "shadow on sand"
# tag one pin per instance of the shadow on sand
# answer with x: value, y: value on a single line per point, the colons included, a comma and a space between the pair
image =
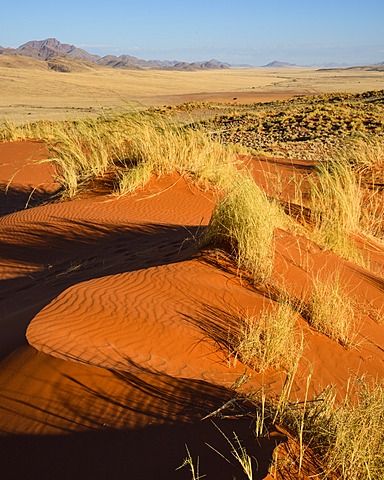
x: 16, y: 198
x: 70, y: 252
x: 168, y: 416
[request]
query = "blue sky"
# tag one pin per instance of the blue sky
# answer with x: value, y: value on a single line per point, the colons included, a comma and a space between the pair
x: 241, y: 31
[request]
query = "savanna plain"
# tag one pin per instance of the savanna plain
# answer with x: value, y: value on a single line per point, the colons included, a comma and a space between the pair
x: 192, y: 273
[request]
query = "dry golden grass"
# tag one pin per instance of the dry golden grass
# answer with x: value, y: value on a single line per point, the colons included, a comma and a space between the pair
x: 336, y: 206
x: 132, y: 147
x: 246, y: 219
x: 365, y: 156
x: 31, y: 92
x: 331, y: 312
x: 270, y: 341
x: 346, y: 437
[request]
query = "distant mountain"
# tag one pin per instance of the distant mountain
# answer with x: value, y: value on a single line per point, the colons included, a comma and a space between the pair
x: 377, y: 67
x: 277, y: 64
x: 330, y: 65
x: 46, y: 49
x: 51, y: 49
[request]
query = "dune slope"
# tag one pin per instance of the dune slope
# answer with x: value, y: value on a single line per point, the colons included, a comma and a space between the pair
x: 115, y: 325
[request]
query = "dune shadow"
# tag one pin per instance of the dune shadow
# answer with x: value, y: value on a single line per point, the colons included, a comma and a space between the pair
x: 173, y: 412
x: 69, y: 253
x: 373, y: 279
x: 16, y: 198
x: 151, y: 453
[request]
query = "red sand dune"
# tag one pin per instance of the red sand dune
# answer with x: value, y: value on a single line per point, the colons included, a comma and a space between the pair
x: 113, y: 329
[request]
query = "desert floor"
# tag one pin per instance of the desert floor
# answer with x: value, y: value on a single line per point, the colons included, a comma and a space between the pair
x: 111, y: 315
x: 29, y: 92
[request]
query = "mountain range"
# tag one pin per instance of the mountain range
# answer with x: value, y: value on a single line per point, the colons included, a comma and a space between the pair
x: 65, y: 57
x: 52, y: 51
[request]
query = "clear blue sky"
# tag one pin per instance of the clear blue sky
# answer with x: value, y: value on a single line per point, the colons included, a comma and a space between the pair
x: 239, y: 31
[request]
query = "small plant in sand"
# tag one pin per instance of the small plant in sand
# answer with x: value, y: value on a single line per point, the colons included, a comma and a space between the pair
x: 270, y: 341
x: 336, y: 203
x: 345, y: 437
x: 331, y: 312
x: 132, y: 147
x: 129, y: 179
x: 238, y: 452
x: 366, y: 157
x: 155, y: 145
x: 245, y: 219
x: 81, y: 152
x: 194, y: 469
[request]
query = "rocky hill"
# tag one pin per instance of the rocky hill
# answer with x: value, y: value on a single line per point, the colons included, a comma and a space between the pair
x: 277, y: 64
x: 51, y: 48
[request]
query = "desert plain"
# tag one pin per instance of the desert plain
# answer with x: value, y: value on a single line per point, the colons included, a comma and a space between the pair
x: 29, y: 91
x: 134, y: 323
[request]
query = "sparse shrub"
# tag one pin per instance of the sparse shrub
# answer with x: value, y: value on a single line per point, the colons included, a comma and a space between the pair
x: 270, y: 341
x: 331, y: 312
x: 346, y: 438
x: 245, y: 219
x: 133, y: 146
x: 336, y: 203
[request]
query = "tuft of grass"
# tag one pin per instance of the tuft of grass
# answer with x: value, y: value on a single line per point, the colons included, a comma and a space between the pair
x: 270, y: 341
x: 188, y: 462
x: 156, y: 145
x: 245, y: 219
x: 331, y: 312
x: 81, y: 153
x: 336, y: 205
x: 133, y: 146
x: 41, y: 130
x: 238, y: 452
x: 366, y: 154
x: 346, y: 438
x: 366, y: 158
x: 129, y: 179
x: 8, y: 130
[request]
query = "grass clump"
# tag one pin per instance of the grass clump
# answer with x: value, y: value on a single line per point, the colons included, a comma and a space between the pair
x: 331, y: 312
x: 132, y: 147
x: 154, y: 144
x: 245, y: 219
x: 81, y: 152
x: 365, y: 155
x: 269, y: 341
x: 336, y: 205
x: 194, y: 469
x: 346, y: 438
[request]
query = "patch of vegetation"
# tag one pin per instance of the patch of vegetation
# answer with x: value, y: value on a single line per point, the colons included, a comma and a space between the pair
x: 245, y: 219
x: 297, y: 126
x: 270, y: 341
x: 336, y: 207
x: 345, y: 437
x: 130, y: 147
x: 331, y: 312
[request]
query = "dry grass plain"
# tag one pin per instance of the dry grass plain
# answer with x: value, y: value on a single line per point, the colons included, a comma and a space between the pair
x: 29, y: 91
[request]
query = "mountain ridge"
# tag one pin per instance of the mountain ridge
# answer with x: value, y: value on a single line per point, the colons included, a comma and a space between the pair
x: 52, y: 49
x: 278, y: 64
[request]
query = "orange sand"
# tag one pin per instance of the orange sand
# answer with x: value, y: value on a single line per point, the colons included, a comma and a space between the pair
x: 113, y: 328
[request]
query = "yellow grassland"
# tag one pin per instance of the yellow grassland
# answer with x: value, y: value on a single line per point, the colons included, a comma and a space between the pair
x: 29, y: 91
